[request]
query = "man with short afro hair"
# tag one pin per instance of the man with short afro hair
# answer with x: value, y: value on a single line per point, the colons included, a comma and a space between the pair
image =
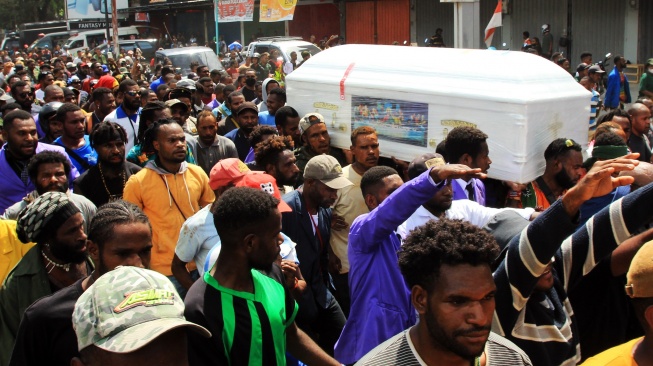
x: 250, y: 287
x: 275, y: 156
x: 447, y: 266
x: 468, y: 146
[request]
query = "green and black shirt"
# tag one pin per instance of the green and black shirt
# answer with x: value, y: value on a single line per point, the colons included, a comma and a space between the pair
x: 247, y: 328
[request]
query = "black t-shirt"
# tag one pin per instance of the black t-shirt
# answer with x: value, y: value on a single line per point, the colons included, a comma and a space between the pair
x: 637, y: 144
x: 90, y: 185
x: 249, y: 94
x: 605, y: 318
x: 46, y: 335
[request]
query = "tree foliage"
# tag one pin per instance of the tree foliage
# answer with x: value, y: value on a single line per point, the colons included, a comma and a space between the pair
x: 17, y: 12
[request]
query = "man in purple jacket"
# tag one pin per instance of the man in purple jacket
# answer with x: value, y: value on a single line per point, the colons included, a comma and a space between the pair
x: 19, y: 132
x: 380, y: 300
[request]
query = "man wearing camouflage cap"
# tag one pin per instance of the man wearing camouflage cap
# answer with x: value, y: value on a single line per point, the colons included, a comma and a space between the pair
x: 119, y: 235
x: 132, y: 316
x: 639, y: 287
x: 58, y: 260
x: 316, y: 141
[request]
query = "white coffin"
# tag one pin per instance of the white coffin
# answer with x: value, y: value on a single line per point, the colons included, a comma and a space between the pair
x: 414, y: 96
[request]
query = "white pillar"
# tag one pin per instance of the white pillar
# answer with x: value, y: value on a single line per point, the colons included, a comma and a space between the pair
x: 631, y: 32
x: 467, y: 31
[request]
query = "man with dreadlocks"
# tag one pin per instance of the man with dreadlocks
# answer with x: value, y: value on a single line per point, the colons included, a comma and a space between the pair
x: 170, y: 191
x: 106, y: 181
x: 119, y: 235
x: 57, y: 260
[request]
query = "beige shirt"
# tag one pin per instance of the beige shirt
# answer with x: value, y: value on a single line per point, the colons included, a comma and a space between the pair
x: 350, y: 204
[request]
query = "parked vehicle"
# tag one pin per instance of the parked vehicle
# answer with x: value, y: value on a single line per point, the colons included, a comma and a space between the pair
x: 51, y: 40
x: 147, y: 47
x: 182, y: 58
x: 283, y: 45
x: 91, y: 39
x: 11, y: 41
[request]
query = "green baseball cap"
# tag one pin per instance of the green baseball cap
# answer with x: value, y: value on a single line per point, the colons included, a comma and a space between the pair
x: 126, y: 309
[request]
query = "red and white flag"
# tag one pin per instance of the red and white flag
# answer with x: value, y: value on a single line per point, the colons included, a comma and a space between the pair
x: 495, y: 21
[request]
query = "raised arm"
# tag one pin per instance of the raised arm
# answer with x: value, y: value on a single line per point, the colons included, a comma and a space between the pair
x: 369, y: 231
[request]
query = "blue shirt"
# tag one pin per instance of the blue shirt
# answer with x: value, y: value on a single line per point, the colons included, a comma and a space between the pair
x: 264, y: 118
x: 84, y: 153
x: 155, y: 84
x: 380, y: 299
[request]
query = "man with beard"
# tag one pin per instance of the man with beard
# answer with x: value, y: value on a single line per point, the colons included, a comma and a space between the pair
x: 247, y: 116
x: 127, y: 114
x: 348, y: 206
x: 49, y: 170
x: 23, y: 94
x: 105, y: 103
x: 106, y: 181
x: 119, y: 235
x: 248, y: 222
x: 375, y: 282
x: 443, y: 205
x: 641, y: 124
x: 563, y: 169
x: 229, y: 121
x: 315, y: 141
x: 57, y: 260
x: 309, y: 225
x: 96, y: 74
x: 19, y: 134
x: 208, y: 147
x: 287, y: 121
x: 275, y: 100
x: 447, y: 266
x: 74, y: 140
x: 468, y: 146
x: 276, y: 158
x: 169, y: 191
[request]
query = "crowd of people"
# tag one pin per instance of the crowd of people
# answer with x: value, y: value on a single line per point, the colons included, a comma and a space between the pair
x: 204, y: 221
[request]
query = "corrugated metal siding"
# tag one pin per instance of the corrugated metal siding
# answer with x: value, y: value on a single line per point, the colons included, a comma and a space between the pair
x: 529, y: 15
x: 645, y: 49
x: 486, y: 10
x: 431, y: 15
x: 319, y: 19
x: 360, y: 22
x: 597, y: 29
x: 392, y: 21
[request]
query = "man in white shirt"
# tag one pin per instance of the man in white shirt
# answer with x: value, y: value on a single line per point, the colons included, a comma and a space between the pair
x: 443, y: 205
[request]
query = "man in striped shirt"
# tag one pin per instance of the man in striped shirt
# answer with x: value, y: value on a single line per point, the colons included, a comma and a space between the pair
x: 446, y: 264
x: 243, y: 301
x: 544, y: 262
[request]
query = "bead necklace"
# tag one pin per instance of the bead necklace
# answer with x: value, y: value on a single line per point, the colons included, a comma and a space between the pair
x: 54, y: 264
x: 112, y: 197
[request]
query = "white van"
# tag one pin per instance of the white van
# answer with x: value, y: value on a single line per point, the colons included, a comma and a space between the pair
x: 92, y: 39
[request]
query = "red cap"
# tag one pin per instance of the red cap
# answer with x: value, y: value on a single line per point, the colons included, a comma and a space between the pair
x: 227, y: 171
x: 266, y: 183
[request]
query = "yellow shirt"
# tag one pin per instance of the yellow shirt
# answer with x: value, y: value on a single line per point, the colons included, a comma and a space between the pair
x: 350, y: 204
x: 621, y: 355
x: 11, y: 248
x: 161, y: 196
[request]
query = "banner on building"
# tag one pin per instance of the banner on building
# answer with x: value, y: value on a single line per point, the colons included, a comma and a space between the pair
x: 142, y: 17
x: 92, y: 9
x: 235, y: 11
x: 277, y: 10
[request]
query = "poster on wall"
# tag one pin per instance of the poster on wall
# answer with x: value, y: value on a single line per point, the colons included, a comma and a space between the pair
x: 235, y: 11
x: 394, y: 120
x: 92, y: 9
x: 277, y: 10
